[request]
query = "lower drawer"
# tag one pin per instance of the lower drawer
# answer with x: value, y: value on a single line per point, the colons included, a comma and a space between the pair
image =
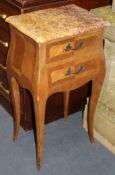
x: 72, y: 71
x: 4, y: 35
x: 3, y: 59
x: 4, y: 89
x: 3, y: 47
x: 5, y: 92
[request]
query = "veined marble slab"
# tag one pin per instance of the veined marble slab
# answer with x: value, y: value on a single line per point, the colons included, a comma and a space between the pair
x: 55, y: 23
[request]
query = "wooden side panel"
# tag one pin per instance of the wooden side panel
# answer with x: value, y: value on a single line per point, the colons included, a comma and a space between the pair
x: 17, y: 58
x: 29, y: 60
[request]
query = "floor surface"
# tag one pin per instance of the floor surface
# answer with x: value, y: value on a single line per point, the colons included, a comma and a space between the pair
x: 67, y: 150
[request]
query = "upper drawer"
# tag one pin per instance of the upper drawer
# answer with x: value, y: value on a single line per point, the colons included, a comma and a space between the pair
x: 73, y: 47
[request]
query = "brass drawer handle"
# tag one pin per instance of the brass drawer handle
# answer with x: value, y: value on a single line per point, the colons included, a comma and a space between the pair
x: 4, y: 43
x: 80, y: 69
x: 70, y: 48
x: 3, y: 16
x: 3, y: 67
x: 2, y: 88
x: 79, y: 46
x: 68, y: 72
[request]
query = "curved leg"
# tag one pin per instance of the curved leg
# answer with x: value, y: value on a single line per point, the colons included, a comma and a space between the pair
x: 96, y: 88
x: 39, y: 106
x: 16, y: 103
x: 66, y: 104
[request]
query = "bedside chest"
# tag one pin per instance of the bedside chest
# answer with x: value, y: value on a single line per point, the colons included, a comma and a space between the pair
x: 55, y: 50
x: 13, y: 7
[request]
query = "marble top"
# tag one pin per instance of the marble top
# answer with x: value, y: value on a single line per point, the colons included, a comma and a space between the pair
x: 55, y: 23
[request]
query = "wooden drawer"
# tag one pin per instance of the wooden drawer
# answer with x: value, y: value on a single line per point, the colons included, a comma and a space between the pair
x: 30, y: 5
x: 40, y: 2
x: 85, y: 4
x: 3, y: 59
x: 3, y: 47
x: 4, y: 41
x: 3, y: 77
x: 8, y: 9
x: 73, y: 70
x: 3, y: 24
x: 72, y: 47
x: 4, y: 36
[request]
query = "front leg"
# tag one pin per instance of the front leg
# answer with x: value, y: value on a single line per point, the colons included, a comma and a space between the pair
x: 39, y: 106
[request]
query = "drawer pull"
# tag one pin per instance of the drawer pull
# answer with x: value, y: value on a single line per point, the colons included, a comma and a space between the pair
x: 69, y: 72
x: 3, y: 67
x: 3, y: 16
x: 69, y: 47
x: 80, y: 69
x: 2, y: 88
x: 4, y: 43
x: 79, y: 46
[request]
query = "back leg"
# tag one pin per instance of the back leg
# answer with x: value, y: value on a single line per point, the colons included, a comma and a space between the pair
x: 16, y: 104
x: 66, y: 104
